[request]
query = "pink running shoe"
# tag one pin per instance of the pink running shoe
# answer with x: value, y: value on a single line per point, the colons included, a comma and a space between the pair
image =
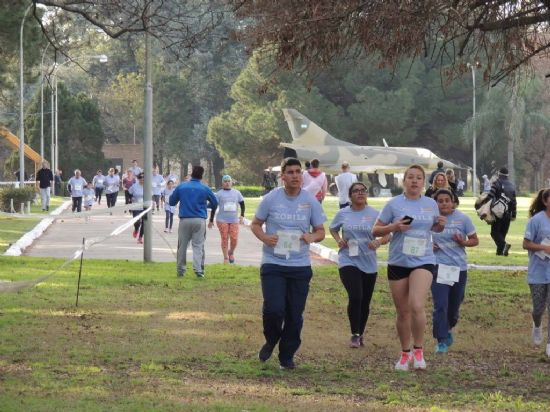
x: 140, y: 240
x: 135, y: 233
x: 418, y: 359
x: 403, y: 362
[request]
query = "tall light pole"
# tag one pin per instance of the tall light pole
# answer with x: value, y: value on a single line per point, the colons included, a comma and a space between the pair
x: 21, y: 104
x: 42, y: 102
x: 474, y: 140
x: 148, y: 153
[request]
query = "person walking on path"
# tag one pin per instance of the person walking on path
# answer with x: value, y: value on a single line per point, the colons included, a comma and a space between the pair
x: 168, y: 210
x: 411, y: 218
x: 503, y: 207
x: 44, y: 180
x: 343, y: 182
x: 98, y: 182
x: 136, y: 170
x: 357, y: 263
x: 288, y: 213
x: 269, y: 182
x: 136, y: 191
x: 537, y: 242
x: 193, y: 197
x: 439, y: 169
x: 228, y: 218
x: 75, y: 185
x: 450, y: 275
x: 112, y: 185
x: 127, y: 181
x: 157, y: 182
x: 315, y: 181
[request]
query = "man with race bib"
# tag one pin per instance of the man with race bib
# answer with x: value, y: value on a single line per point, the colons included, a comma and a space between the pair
x: 288, y: 213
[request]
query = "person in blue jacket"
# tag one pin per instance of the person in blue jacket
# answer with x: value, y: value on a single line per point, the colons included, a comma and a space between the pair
x: 194, y: 198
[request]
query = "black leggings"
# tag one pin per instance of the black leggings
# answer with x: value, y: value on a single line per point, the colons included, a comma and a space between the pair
x: 360, y: 286
x: 77, y: 204
x: 98, y: 193
x: 169, y: 219
x: 127, y: 197
x: 138, y: 225
x: 111, y: 199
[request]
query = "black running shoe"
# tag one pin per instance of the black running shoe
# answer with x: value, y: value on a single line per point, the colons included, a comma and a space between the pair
x: 265, y: 352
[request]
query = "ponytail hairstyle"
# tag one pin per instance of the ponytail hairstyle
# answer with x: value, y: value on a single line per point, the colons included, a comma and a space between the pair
x: 538, y: 202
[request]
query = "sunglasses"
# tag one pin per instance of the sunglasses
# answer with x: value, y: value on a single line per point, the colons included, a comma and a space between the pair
x: 360, y: 191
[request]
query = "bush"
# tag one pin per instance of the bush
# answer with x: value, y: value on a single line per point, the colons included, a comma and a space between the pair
x: 250, y: 191
x: 18, y: 195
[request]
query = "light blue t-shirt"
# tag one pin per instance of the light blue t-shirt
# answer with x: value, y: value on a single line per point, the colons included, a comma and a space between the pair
x: 157, y: 182
x: 98, y: 181
x: 282, y: 212
x: 537, y: 230
x: 167, y: 192
x: 357, y: 225
x: 414, y: 247
x: 450, y: 253
x: 88, y: 195
x: 228, y: 205
x: 136, y: 190
x: 77, y: 186
x: 112, y: 184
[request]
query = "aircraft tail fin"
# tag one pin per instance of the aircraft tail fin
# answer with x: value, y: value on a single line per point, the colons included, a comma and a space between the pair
x: 305, y: 132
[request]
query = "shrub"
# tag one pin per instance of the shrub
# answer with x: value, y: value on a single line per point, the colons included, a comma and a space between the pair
x: 250, y: 191
x: 19, y: 195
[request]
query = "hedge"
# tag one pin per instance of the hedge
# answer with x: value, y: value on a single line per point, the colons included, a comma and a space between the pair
x: 251, y: 191
x: 19, y: 195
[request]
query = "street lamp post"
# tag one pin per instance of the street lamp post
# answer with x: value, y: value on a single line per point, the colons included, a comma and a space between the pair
x: 474, y: 140
x: 21, y: 103
x: 42, y: 103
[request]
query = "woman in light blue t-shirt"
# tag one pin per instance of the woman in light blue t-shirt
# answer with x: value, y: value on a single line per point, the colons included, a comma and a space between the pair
x: 537, y: 242
x: 449, y: 279
x: 410, y: 218
x: 357, y: 263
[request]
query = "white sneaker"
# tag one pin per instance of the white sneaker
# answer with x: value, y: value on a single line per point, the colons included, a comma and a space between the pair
x: 418, y: 359
x: 537, y: 335
x: 548, y: 350
x: 403, y: 362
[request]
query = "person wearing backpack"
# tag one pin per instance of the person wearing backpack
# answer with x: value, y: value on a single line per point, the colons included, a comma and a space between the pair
x: 503, y: 207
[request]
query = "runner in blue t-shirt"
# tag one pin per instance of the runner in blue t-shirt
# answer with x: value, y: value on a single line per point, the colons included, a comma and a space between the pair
x: 228, y: 218
x: 357, y: 263
x: 449, y: 279
x: 537, y: 242
x: 410, y: 217
x: 288, y: 214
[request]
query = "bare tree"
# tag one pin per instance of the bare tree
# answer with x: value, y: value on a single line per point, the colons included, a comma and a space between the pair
x: 178, y: 26
x: 504, y: 34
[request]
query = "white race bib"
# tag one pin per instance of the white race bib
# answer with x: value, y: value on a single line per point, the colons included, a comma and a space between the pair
x: 155, y: 184
x: 353, y: 246
x: 413, y: 246
x: 448, y: 275
x: 289, y: 241
x: 541, y: 254
x: 100, y: 181
x: 230, y: 207
x: 77, y: 188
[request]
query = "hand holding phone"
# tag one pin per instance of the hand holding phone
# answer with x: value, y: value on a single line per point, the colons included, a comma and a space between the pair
x: 407, y: 219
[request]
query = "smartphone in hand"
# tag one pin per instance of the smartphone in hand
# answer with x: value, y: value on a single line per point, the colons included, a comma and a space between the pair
x: 408, y: 219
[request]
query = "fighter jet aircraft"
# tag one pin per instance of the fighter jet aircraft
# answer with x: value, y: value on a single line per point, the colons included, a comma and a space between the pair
x: 309, y: 141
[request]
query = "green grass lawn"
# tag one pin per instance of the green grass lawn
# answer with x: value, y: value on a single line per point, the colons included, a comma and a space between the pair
x: 484, y: 254
x: 143, y: 340
x: 11, y: 229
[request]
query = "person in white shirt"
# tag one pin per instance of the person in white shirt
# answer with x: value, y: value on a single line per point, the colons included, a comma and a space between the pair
x: 343, y: 182
x: 315, y: 181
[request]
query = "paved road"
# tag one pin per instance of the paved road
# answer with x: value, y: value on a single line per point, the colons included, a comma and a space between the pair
x: 64, y: 236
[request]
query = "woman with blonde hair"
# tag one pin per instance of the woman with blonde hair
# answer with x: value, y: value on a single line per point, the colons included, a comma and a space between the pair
x: 410, y: 218
x: 440, y: 182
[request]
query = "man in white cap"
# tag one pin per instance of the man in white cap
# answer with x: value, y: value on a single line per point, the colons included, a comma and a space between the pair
x: 343, y: 182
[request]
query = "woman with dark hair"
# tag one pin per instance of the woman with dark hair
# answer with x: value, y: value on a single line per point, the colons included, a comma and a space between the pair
x: 352, y: 230
x: 136, y: 191
x: 449, y: 278
x: 411, y: 218
x: 537, y: 241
